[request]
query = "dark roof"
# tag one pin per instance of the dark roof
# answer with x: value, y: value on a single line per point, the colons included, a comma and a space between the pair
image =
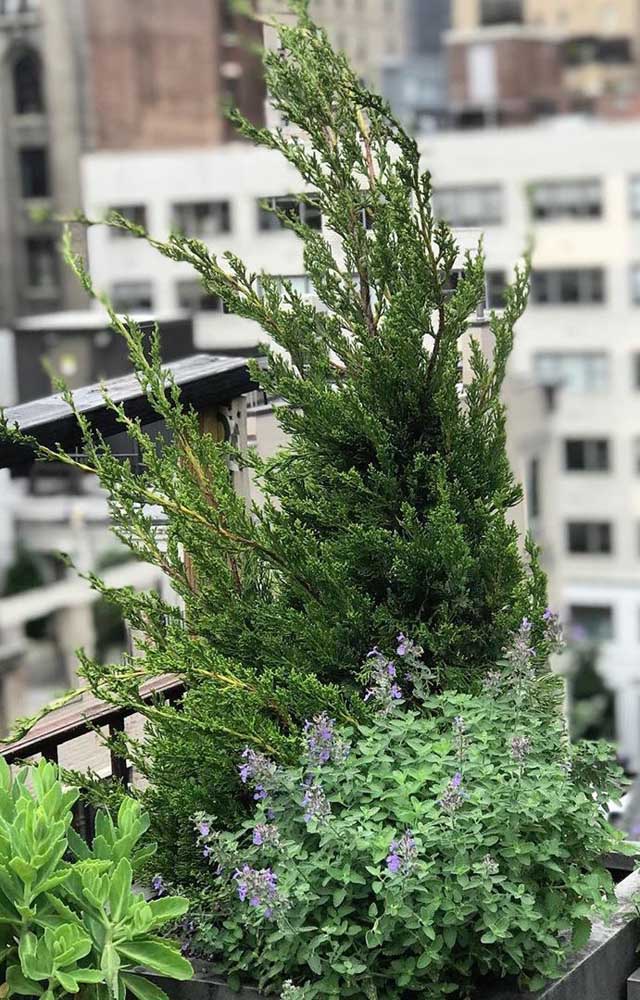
x: 204, y: 380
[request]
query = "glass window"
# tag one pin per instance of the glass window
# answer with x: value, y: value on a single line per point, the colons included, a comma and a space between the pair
x: 568, y: 286
x: 501, y: 12
x: 589, y: 537
x: 576, y: 371
x: 132, y: 296
x: 496, y: 288
x: 586, y: 454
x: 134, y: 213
x: 194, y: 297
x: 463, y: 205
x: 298, y: 211
x: 34, y: 172
x: 27, y: 84
x: 591, y: 621
x: 202, y: 218
x: 580, y: 199
x: 42, y: 262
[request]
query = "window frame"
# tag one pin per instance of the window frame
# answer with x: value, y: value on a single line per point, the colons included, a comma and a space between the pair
x: 190, y: 210
x: 566, y: 208
x: 547, y: 286
x: 594, y: 457
x: 131, y: 282
x: 299, y: 211
x: 598, y: 538
x: 459, y: 216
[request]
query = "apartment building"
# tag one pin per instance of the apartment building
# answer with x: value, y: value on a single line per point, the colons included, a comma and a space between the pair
x: 41, y: 136
x: 514, y: 60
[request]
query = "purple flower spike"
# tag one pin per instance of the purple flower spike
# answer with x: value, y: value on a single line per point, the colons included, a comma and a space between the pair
x: 257, y: 769
x: 454, y: 795
x: 259, y: 886
x: 402, y: 855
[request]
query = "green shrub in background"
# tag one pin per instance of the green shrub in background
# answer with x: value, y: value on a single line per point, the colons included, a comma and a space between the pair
x: 418, y: 852
x: 389, y: 508
x: 77, y: 927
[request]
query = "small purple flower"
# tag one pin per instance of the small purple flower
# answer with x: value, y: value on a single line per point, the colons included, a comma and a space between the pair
x: 403, y: 645
x: 204, y: 828
x: 266, y: 835
x: 383, y: 687
x: 454, y: 795
x: 315, y: 802
x: 553, y: 631
x: 258, y: 769
x: 259, y: 886
x: 402, y: 855
x: 322, y: 743
x: 158, y: 886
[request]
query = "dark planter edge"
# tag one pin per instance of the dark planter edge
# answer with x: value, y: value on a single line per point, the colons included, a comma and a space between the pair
x: 598, y: 972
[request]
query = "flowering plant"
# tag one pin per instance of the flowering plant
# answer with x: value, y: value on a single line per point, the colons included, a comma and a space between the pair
x: 421, y: 850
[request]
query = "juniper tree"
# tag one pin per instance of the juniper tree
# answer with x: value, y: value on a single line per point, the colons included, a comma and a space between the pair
x: 388, y: 509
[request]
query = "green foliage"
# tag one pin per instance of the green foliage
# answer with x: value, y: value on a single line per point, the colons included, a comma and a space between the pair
x: 501, y: 875
x: 387, y: 511
x: 76, y: 927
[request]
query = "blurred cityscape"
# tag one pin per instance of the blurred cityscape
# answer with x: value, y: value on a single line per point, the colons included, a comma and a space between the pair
x: 527, y: 113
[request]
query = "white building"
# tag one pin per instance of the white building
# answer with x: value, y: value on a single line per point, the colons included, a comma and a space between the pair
x: 572, y: 185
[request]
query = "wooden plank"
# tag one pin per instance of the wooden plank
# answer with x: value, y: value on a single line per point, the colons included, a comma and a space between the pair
x: 80, y: 717
x: 204, y: 381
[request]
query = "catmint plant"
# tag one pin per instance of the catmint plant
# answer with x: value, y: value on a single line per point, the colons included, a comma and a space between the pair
x: 316, y: 805
x: 266, y: 835
x: 259, y: 888
x: 258, y: 770
x: 322, y: 743
x: 383, y: 690
x: 454, y: 795
x: 415, y: 669
x: 402, y: 855
x: 393, y: 901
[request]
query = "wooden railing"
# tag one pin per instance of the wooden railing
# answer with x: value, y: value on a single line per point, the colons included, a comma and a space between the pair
x: 85, y: 716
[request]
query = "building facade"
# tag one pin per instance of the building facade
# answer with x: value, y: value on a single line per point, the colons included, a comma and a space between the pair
x: 514, y: 60
x: 41, y: 139
x: 161, y: 74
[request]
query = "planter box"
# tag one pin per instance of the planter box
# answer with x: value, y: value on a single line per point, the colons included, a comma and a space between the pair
x: 599, y: 972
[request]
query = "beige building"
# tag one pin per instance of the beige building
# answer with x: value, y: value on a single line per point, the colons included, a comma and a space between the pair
x: 598, y: 40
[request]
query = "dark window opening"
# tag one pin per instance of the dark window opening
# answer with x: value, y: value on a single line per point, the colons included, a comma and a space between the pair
x: 501, y: 12
x: 589, y: 537
x: 568, y: 286
x: 586, y: 455
x: 195, y: 298
x: 42, y: 262
x: 591, y: 621
x: 133, y: 213
x: 27, y: 84
x: 34, y: 172
x: 132, y: 296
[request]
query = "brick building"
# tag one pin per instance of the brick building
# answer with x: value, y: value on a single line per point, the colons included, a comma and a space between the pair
x: 161, y: 73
